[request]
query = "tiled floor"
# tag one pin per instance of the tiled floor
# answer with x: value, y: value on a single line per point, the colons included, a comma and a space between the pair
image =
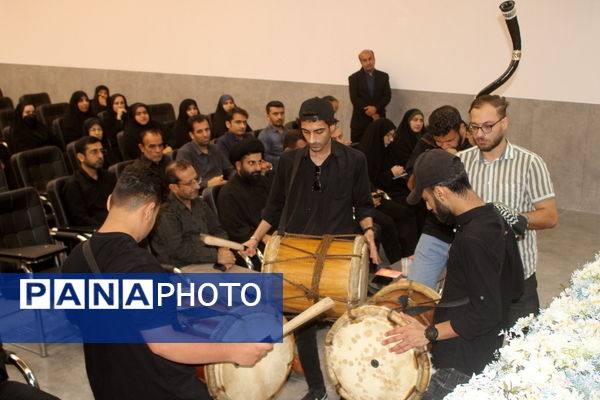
x: 574, y: 241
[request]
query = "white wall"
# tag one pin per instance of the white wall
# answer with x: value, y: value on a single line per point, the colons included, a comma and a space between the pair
x: 430, y: 45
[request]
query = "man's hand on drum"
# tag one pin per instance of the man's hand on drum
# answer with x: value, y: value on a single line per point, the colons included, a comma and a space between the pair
x: 409, y: 336
x: 250, y: 246
x: 370, y: 238
x: 248, y: 354
x: 225, y: 257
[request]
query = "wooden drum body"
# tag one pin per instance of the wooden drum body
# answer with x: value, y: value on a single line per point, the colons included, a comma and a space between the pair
x: 361, y: 368
x: 318, y: 266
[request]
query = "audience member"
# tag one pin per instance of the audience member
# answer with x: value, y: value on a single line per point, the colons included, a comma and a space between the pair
x: 28, y: 131
x: 272, y: 135
x: 236, y: 124
x: 212, y: 165
x: 180, y: 134
x: 114, y: 119
x: 337, y: 134
x: 93, y: 127
x: 183, y: 218
x: 410, y: 130
x: 221, y: 115
x: 370, y: 93
x: 138, y: 121
x: 294, y: 139
x: 86, y: 192
x: 99, y: 102
x: 79, y: 111
x: 241, y: 200
x: 151, y: 152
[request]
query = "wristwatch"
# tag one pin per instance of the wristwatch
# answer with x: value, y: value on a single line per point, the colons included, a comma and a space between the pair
x: 431, y: 333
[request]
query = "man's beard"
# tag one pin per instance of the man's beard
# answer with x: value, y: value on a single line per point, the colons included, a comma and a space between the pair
x: 491, y: 145
x: 443, y: 214
x: 251, y: 178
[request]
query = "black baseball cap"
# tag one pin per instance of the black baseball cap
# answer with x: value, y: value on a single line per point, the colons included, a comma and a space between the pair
x: 316, y: 109
x: 431, y: 168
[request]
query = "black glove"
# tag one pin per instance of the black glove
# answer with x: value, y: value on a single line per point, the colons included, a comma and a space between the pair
x: 517, y: 221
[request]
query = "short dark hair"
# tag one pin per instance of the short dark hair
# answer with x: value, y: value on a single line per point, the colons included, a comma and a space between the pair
x: 197, y: 119
x: 81, y: 144
x: 274, y: 104
x: 444, y: 119
x: 138, y: 185
x: 458, y: 184
x: 175, y: 166
x: 330, y: 98
x: 291, y: 138
x: 154, y: 131
x: 237, y: 110
x: 498, y: 102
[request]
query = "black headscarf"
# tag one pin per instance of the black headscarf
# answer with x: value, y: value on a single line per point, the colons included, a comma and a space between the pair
x: 133, y: 131
x: 72, y: 124
x: 111, y: 124
x: 378, y: 157
x: 406, y: 139
x: 220, y: 116
x: 27, y: 133
x: 96, y: 106
x: 180, y: 133
x: 112, y: 155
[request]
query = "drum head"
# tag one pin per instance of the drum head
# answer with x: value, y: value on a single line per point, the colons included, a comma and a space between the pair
x: 417, y: 295
x: 363, y: 369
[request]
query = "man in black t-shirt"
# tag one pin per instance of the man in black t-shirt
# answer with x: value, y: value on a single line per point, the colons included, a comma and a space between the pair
x: 144, y: 370
x: 484, y: 276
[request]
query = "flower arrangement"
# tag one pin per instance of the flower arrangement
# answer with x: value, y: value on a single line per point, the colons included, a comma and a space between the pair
x: 555, y: 355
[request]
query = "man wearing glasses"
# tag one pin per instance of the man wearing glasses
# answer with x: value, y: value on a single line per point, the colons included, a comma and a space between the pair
x: 320, y: 189
x: 503, y: 172
x: 86, y: 192
x: 181, y: 220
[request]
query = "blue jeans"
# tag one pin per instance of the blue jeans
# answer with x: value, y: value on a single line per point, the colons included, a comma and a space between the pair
x: 430, y: 259
x: 443, y: 382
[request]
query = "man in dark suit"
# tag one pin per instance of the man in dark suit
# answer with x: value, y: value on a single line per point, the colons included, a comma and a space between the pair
x: 370, y: 93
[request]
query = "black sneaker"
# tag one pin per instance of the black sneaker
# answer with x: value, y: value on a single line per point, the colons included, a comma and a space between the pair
x: 315, y: 396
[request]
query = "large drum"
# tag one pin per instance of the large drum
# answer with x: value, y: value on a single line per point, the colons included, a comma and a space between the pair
x: 318, y: 266
x: 361, y: 368
x: 407, y: 294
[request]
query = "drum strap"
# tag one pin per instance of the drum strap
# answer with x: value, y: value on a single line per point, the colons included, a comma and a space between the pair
x: 89, y: 257
x: 320, y: 255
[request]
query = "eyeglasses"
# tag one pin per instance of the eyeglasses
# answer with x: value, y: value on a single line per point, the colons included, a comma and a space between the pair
x: 317, y: 183
x: 485, y: 128
x: 195, y: 181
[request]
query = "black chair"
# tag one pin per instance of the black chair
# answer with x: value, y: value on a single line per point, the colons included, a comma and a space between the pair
x: 72, y: 161
x: 12, y: 359
x: 39, y: 166
x: 122, y: 145
x: 256, y: 132
x: 117, y: 168
x: 37, y: 99
x: 162, y: 112
x: 103, y: 116
x: 56, y: 190
x: 3, y: 182
x: 6, y: 103
x: 58, y: 132
x: 210, y: 195
x: 49, y: 112
x: 6, y: 118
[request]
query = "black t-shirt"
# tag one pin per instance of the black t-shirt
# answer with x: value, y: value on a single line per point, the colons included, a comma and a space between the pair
x: 483, y: 265
x: 130, y: 370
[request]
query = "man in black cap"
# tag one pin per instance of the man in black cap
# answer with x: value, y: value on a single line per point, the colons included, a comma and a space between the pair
x: 484, y: 276
x: 242, y: 199
x: 320, y: 189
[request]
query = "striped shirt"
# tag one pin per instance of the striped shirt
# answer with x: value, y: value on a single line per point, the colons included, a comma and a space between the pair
x: 518, y: 178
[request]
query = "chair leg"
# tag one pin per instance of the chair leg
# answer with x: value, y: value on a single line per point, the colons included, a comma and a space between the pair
x: 38, y: 317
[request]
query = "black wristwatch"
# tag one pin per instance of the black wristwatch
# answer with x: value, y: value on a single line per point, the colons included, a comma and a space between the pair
x: 431, y: 333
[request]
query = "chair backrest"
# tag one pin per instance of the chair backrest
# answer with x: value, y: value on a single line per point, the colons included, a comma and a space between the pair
x: 122, y: 145
x: 72, y: 161
x: 162, y: 112
x: 3, y: 182
x: 117, y: 168
x: 58, y: 132
x: 210, y: 196
x: 6, y: 118
x: 55, y: 191
x: 103, y: 116
x: 22, y: 219
x: 49, y: 112
x: 39, y: 166
x: 6, y: 103
x: 5, y: 133
x: 37, y: 99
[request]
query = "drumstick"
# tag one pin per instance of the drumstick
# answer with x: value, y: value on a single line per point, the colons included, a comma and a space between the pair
x: 308, y: 314
x: 218, y: 242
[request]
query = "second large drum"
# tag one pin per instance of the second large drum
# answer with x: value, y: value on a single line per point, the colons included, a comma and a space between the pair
x: 318, y: 266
